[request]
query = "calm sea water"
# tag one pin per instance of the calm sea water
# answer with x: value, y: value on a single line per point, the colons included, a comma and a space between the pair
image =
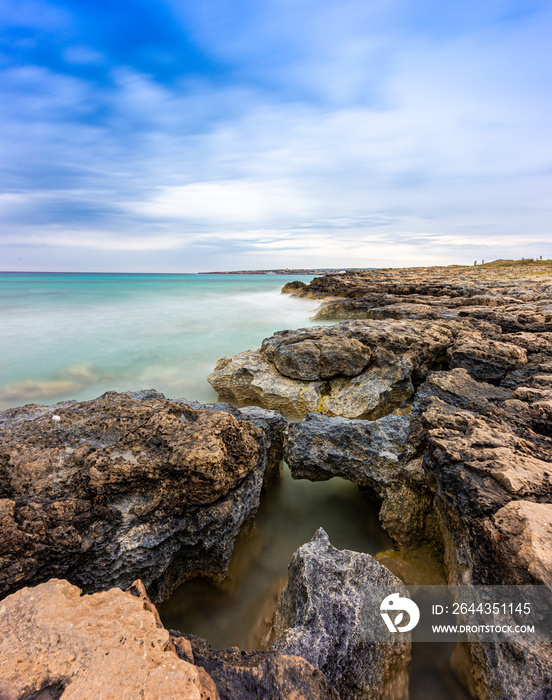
x: 74, y: 336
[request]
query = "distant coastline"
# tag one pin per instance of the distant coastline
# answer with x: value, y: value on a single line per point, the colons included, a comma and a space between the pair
x: 286, y: 271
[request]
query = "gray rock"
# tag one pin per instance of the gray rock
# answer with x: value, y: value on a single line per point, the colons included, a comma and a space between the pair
x: 256, y: 675
x: 376, y: 456
x: 322, y: 616
x: 316, y: 353
x: 368, y: 453
x: 274, y: 427
x: 492, y: 487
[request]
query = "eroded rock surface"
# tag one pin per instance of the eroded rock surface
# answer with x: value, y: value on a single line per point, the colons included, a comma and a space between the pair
x: 323, y: 353
x: 250, y: 379
x: 467, y: 474
x: 125, y: 486
x: 479, y: 438
x: 487, y: 360
x: 320, y: 617
x: 489, y: 455
x: 55, y: 643
x: 515, y: 297
x: 413, y: 321
x: 375, y: 456
x: 297, y: 372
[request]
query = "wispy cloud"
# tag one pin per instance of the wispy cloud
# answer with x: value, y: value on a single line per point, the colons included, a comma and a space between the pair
x: 271, y: 133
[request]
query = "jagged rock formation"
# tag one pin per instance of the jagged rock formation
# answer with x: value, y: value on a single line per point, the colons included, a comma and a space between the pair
x: 300, y: 371
x: 413, y: 321
x: 486, y: 460
x: 469, y: 472
x: 515, y: 297
x: 479, y: 438
x: 56, y: 643
x: 126, y: 486
x: 135, y: 485
x: 325, y: 614
x: 273, y: 425
x: 375, y: 456
x: 490, y: 461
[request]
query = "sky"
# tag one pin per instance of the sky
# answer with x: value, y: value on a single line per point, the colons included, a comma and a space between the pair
x: 170, y: 136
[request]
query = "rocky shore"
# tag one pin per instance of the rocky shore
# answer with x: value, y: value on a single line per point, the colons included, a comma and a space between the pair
x: 432, y: 391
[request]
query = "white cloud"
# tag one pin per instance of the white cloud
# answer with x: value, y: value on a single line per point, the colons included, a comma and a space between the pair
x: 237, y: 202
x: 401, y: 138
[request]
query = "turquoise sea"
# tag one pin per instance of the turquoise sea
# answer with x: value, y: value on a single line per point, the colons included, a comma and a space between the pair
x: 75, y: 336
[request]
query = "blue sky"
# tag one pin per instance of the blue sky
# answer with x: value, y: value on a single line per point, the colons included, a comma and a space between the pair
x: 172, y: 136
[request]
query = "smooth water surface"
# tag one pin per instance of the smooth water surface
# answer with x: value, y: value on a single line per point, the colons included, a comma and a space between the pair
x: 75, y: 336
x: 235, y: 613
x: 239, y: 612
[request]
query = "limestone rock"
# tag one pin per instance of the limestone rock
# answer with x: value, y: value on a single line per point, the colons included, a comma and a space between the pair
x: 372, y: 394
x: 295, y: 288
x: 373, y: 455
x: 124, y: 486
x: 320, y: 353
x: 480, y: 432
x: 531, y: 342
x: 492, y: 493
x: 55, y: 643
x: 250, y: 379
x: 457, y: 388
x: 364, y: 452
x: 355, y: 369
x: 526, y: 530
x: 340, y: 309
x: 321, y: 616
x: 273, y: 425
x: 487, y: 360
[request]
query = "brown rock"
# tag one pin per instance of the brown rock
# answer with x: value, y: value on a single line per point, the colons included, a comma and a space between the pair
x: 121, y: 486
x: 527, y: 531
x: 357, y: 369
x: 487, y: 360
x: 56, y: 643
